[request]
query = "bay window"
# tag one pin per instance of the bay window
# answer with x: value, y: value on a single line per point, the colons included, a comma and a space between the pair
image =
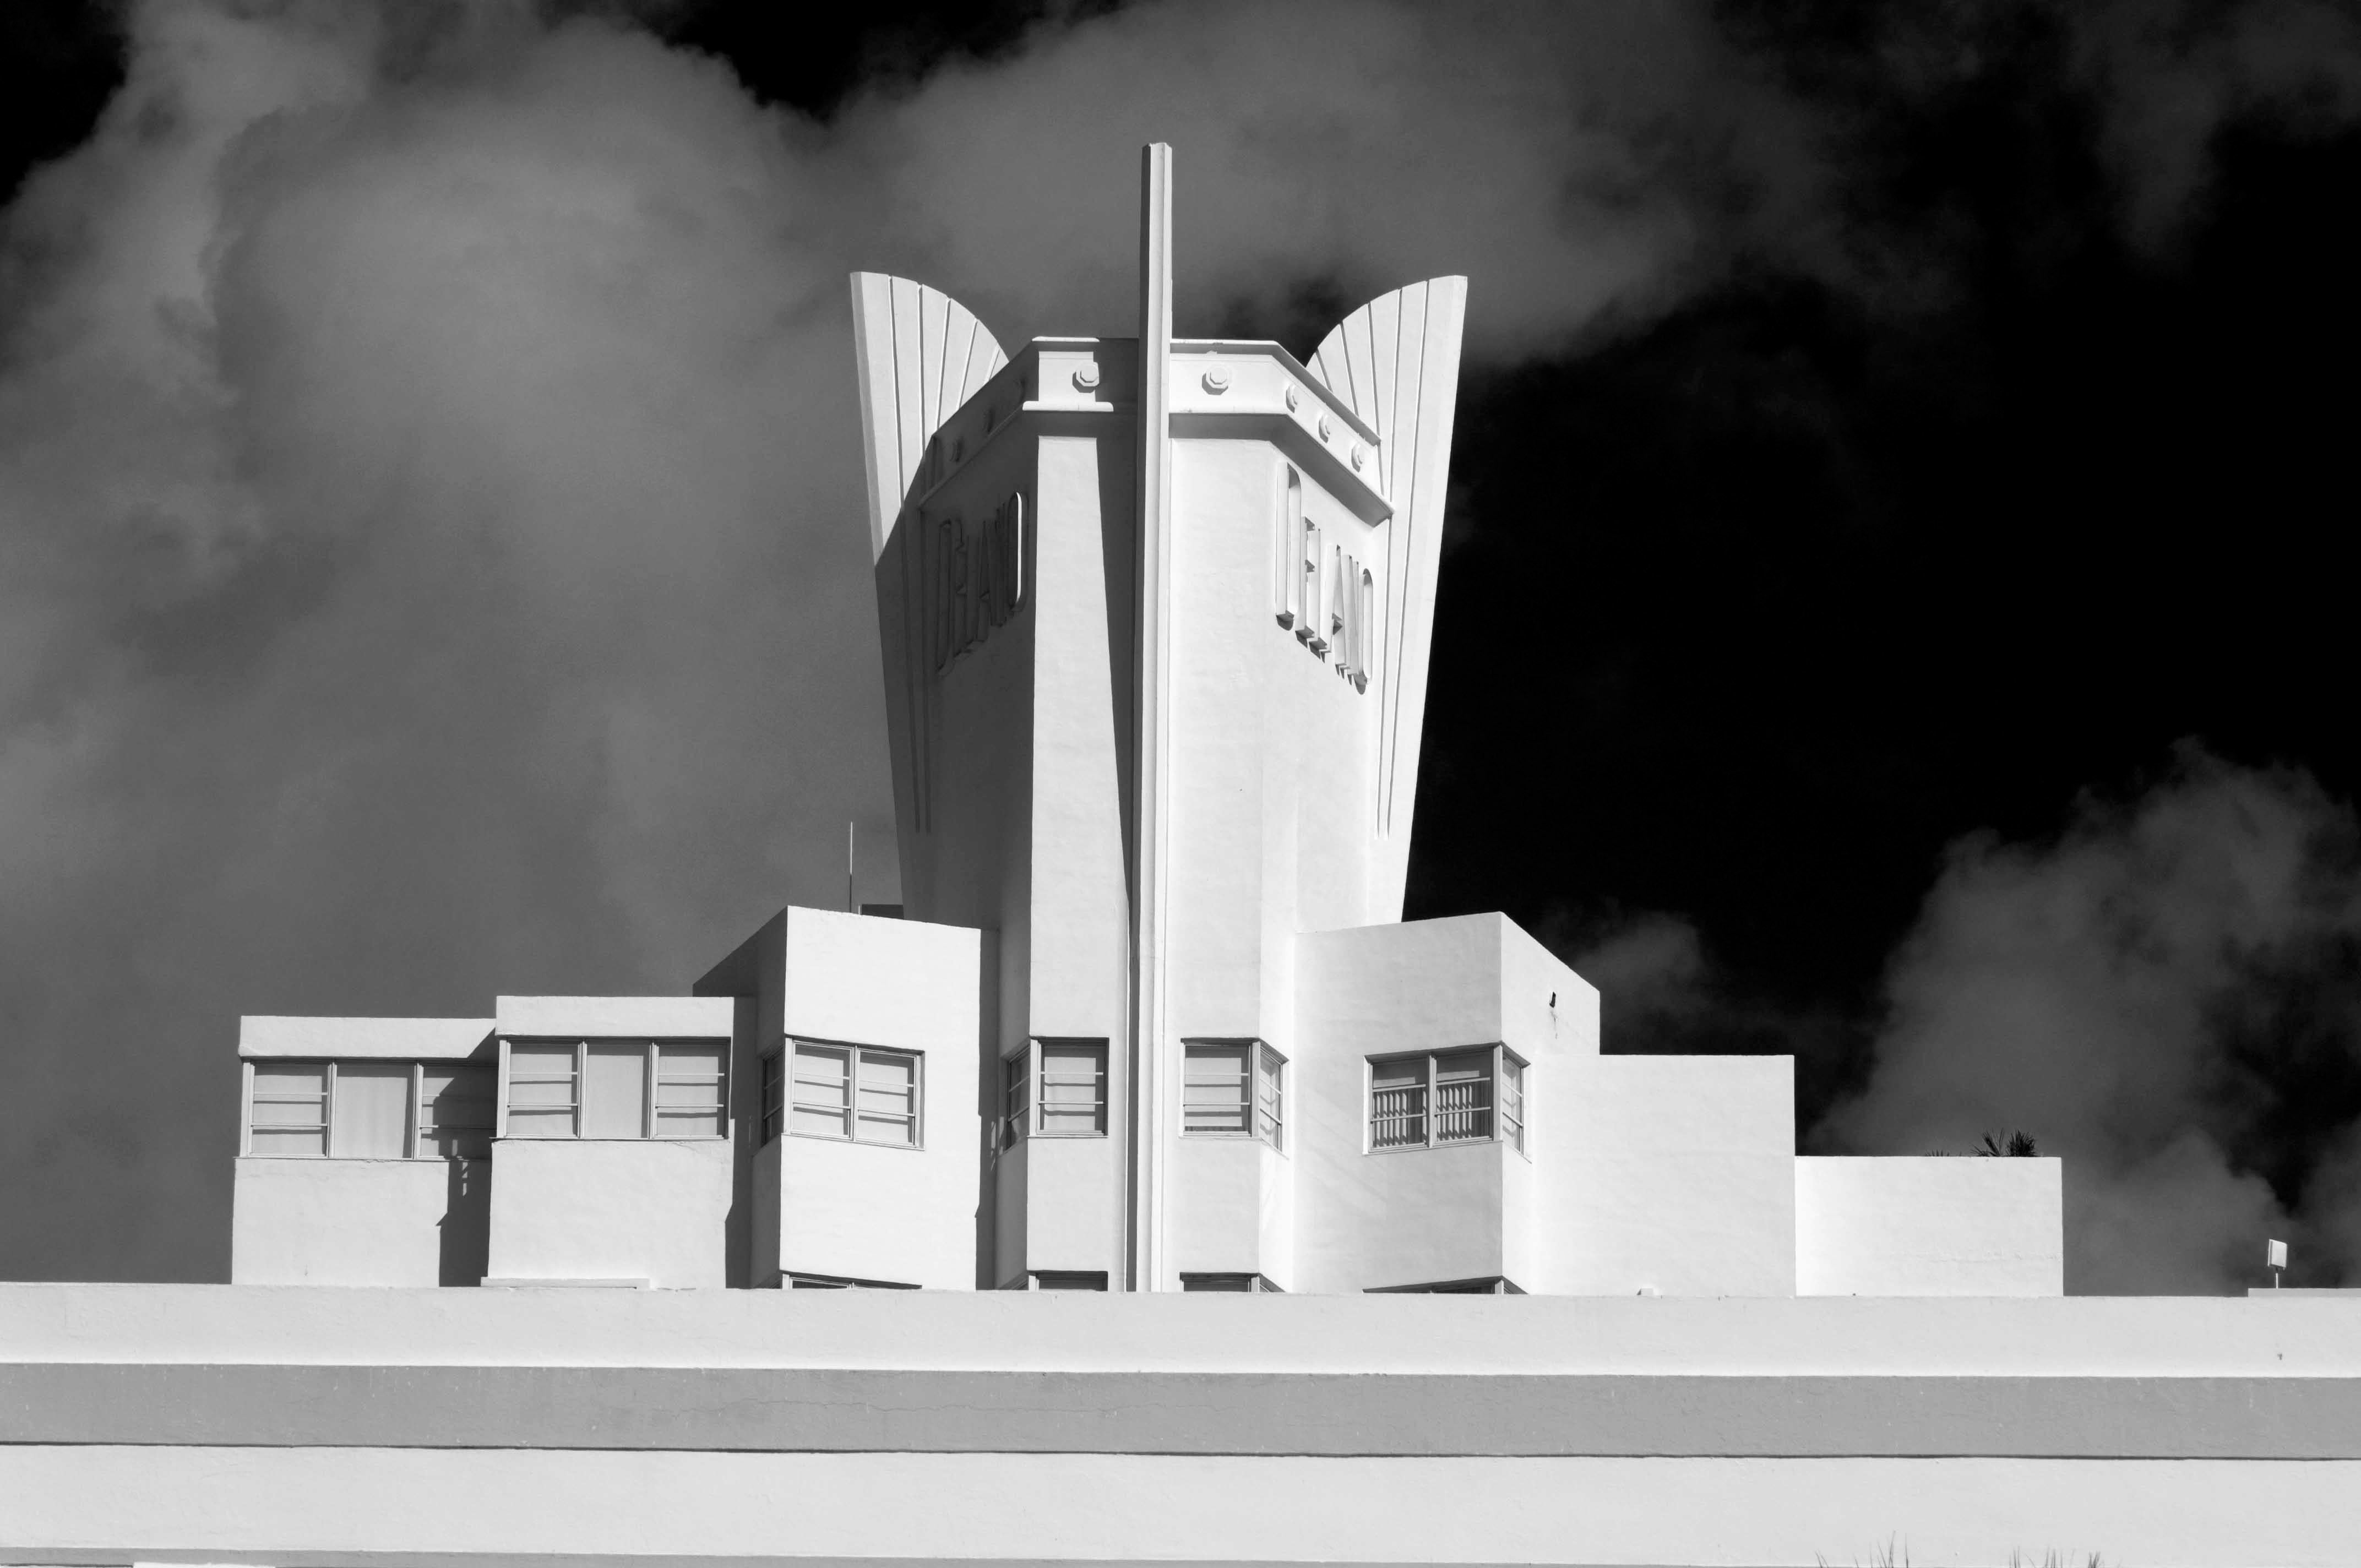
x: 1054, y: 1089
x: 1447, y: 1097
x: 1233, y: 1088
x: 861, y: 1094
x: 608, y: 1089
x: 367, y: 1109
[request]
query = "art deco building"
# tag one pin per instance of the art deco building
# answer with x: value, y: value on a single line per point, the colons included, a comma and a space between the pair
x: 1156, y: 617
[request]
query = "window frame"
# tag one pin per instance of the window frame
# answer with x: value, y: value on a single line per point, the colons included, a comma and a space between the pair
x: 1198, y: 1283
x: 854, y: 1053
x: 1262, y: 1065
x: 1498, y: 1072
x: 651, y: 1047
x: 1038, y: 1071
x: 771, y: 1072
x: 416, y: 1135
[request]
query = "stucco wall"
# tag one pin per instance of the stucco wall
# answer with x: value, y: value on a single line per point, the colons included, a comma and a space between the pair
x: 1230, y: 1198
x: 869, y: 1211
x: 401, y: 1039
x: 1674, y: 1174
x: 1072, y: 1190
x: 1929, y: 1227
x: 357, y: 1222
x: 298, y: 1426
x: 651, y: 1210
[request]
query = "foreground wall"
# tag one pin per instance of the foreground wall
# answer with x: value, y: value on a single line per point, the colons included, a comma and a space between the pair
x: 336, y: 1426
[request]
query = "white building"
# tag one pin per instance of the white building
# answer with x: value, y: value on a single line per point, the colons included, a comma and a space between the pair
x: 1156, y: 615
x: 1156, y: 623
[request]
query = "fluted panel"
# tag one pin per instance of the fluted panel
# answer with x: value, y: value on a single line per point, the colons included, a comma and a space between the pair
x: 921, y: 355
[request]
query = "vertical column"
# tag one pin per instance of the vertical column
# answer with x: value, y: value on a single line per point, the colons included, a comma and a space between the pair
x: 1147, y: 1162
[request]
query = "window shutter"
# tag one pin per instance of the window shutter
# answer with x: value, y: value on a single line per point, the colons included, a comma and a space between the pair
x: 542, y: 1091
x: 692, y: 1089
x: 1397, y: 1102
x: 823, y: 1090
x: 1216, y: 1086
x: 888, y: 1110
x: 1073, y: 1086
x: 290, y: 1111
x: 1269, y: 1082
x: 1463, y: 1096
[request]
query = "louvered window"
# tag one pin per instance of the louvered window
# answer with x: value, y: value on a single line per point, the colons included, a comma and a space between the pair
x: 1446, y: 1097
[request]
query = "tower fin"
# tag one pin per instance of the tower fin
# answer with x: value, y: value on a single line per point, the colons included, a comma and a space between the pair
x: 1395, y: 362
x: 921, y: 353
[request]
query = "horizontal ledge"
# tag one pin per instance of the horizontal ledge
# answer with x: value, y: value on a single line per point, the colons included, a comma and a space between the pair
x: 1255, y: 1414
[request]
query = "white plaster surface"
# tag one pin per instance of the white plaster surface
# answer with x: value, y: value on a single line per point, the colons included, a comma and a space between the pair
x: 870, y: 1212
x: 404, y: 1040
x: 773, y: 1507
x: 644, y: 1209
x: 1674, y: 1174
x: 1929, y: 1227
x: 626, y: 1018
x: 339, y: 1221
x: 2314, y: 1336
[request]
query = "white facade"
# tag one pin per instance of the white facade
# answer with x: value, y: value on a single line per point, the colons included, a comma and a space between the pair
x: 1156, y: 615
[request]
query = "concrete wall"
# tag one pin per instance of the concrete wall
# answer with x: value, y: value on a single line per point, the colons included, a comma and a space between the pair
x: 402, y: 1039
x: 294, y: 1425
x: 359, y: 1221
x: 1366, y: 1220
x: 641, y: 1209
x: 1929, y: 1227
x: 862, y: 1211
x: 1674, y: 1174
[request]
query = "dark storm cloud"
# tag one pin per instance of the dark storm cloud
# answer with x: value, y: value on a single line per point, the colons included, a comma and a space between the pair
x: 430, y: 559
x: 430, y: 549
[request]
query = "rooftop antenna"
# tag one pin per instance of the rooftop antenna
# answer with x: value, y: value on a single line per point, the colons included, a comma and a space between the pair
x: 2275, y: 1259
x: 850, y: 906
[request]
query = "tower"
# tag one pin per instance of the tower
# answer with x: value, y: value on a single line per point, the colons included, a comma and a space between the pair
x: 1155, y: 617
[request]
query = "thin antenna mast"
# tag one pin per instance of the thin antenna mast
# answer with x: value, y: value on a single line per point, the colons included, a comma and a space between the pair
x: 851, y: 905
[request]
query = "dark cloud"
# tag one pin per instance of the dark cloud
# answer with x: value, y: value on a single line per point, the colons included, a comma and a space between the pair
x: 430, y: 559
x: 430, y: 548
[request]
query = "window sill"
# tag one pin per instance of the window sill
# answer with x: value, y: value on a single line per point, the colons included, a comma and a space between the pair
x: 830, y: 1138
x: 1453, y: 1144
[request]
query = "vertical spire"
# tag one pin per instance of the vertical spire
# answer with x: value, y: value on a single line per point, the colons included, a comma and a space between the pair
x: 1148, y: 1129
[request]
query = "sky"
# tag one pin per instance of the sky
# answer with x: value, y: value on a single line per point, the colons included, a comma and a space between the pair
x: 1888, y: 613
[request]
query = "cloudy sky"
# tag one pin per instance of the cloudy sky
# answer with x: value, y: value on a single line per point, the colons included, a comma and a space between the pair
x: 1888, y: 613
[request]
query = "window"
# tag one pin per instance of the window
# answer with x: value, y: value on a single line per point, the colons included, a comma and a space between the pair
x: 1446, y: 1097
x: 774, y: 1094
x: 1490, y: 1285
x: 692, y: 1090
x: 795, y: 1281
x: 858, y: 1093
x: 618, y: 1089
x: 1287, y: 585
x: 1232, y: 1087
x: 1015, y: 1099
x: 614, y: 1089
x: 1073, y: 1089
x: 290, y: 1113
x: 369, y: 1110
x: 1512, y: 1103
x: 1053, y: 1088
x: 542, y: 1091
x: 1251, y: 1284
x: 1068, y: 1279
x: 454, y: 1112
